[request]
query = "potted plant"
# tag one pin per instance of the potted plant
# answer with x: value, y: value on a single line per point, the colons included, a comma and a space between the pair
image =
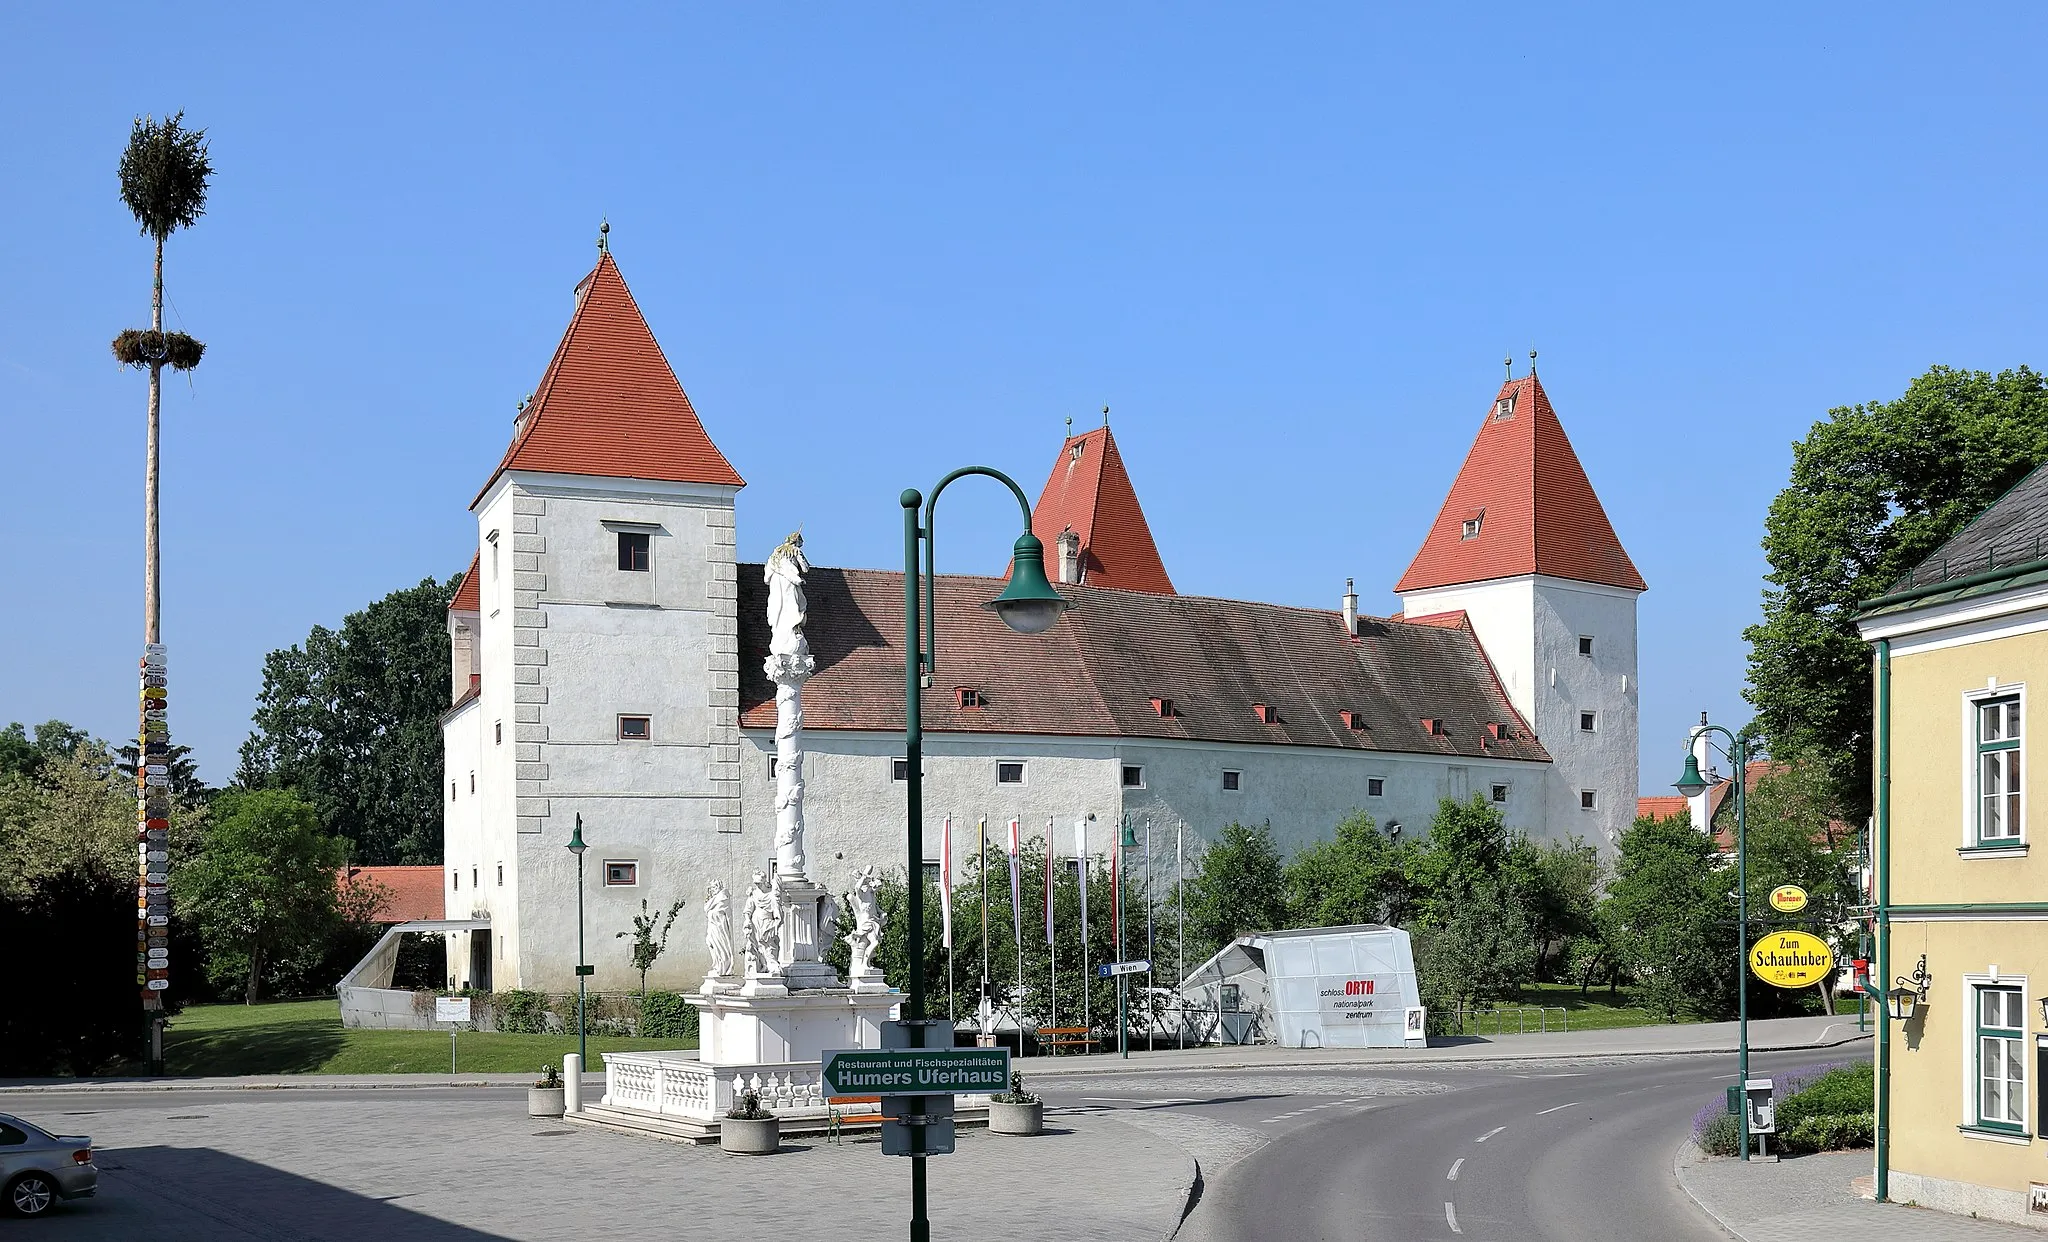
x: 749, y: 1129
x: 544, y: 1098
x: 1016, y: 1111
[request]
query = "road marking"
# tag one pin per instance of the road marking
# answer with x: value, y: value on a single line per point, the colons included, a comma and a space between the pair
x: 1457, y: 1164
x: 1542, y: 1111
x: 1451, y: 1217
x: 1127, y: 1099
x: 1489, y: 1134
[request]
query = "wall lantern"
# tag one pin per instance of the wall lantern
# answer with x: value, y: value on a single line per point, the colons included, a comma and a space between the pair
x: 1910, y: 993
x: 2044, y: 1012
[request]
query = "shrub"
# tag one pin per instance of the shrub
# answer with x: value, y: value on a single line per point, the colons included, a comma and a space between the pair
x: 1720, y: 1134
x: 1844, y: 1091
x: 746, y: 1106
x: 666, y: 1015
x: 521, y: 1012
x: 1828, y: 1132
x: 1016, y: 1094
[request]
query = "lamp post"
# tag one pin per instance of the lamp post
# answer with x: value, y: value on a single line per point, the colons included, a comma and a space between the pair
x: 1692, y: 784
x: 1028, y: 605
x: 577, y: 847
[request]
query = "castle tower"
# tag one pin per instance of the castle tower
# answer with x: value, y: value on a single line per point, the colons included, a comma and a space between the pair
x: 1090, y: 521
x: 1523, y: 548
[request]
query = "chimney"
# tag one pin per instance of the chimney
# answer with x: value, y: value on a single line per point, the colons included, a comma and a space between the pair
x: 1070, y: 557
x: 1350, y: 609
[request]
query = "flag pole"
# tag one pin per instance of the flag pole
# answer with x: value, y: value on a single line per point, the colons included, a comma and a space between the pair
x: 946, y: 907
x: 984, y: 1009
x: 1052, y: 943
x: 1087, y: 1001
x: 1017, y: 917
x: 1180, y: 899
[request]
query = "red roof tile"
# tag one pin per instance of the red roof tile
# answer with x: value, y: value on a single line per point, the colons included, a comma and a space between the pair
x: 609, y: 404
x: 1098, y: 670
x: 1090, y: 493
x: 1660, y: 808
x: 413, y: 893
x: 467, y: 597
x: 1536, y: 510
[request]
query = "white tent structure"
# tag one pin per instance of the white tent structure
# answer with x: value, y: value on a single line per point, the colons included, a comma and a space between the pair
x: 1316, y: 987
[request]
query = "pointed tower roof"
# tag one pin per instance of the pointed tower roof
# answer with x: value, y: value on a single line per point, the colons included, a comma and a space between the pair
x: 1521, y: 505
x: 1090, y: 493
x: 609, y: 405
x: 467, y: 597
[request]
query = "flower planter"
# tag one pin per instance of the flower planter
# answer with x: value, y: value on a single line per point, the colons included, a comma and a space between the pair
x: 544, y: 1101
x: 1017, y: 1119
x: 758, y: 1137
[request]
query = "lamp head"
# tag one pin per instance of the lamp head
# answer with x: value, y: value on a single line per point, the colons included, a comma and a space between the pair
x: 1028, y: 604
x: 576, y: 845
x: 1128, y: 837
x: 1899, y: 1002
x: 1690, y: 782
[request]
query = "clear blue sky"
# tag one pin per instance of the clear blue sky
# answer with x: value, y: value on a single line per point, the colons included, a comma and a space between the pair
x: 1290, y: 248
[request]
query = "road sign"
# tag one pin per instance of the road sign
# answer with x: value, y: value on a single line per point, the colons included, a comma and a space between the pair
x: 1791, y: 959
x: 1788, y: 899
x: 1110, y: 970
x: 451, y: 1009
x: 916, y: 1071
x: 938, y: 1138
x: 896, y: 1107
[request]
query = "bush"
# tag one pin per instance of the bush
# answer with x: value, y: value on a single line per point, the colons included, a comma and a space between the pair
x: 1719, y: 1134
x: 666, y: 1015
x: 1840, y: 1092
x: 1830, y: 1132
x: 520, y: 1012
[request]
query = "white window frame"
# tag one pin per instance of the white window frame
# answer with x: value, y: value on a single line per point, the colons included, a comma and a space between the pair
x: 1586, y: 646
x: 1973, y: 773
x: 1589, y: 717
x: 1506, y: 789
x: 1372, y: 781
x: 1973, y: 1126
x: 1023, y: 772
x: 609, y: 863
x: 899, y: 762
x: 1129, y: 768
x: 1584, y: 804
x: 641, y: 716
x: 1228, y: 787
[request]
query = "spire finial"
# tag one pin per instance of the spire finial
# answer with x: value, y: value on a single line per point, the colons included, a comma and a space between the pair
x: 1509, y: 363
x: 1070, y: 426
x: 1105, y: 416
x: 604, y: 227
x: 1532, y: 363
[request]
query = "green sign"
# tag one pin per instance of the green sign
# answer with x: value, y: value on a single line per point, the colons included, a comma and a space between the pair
x: 917, y: 1071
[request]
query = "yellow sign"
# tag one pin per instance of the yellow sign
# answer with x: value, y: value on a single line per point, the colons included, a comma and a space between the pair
x: 1791, y: 959
x: 1788, y: 899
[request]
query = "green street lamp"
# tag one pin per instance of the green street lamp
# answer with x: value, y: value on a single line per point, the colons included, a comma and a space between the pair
x: 1028, y: 605
x: 577, y: 847
x: 1692, y: 783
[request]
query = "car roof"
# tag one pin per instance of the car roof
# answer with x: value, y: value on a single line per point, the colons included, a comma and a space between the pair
x: 30, y: 1126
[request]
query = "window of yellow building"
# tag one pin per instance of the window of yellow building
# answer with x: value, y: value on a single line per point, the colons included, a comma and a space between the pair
x: 1999, y: 752
x: 2001, y: 1064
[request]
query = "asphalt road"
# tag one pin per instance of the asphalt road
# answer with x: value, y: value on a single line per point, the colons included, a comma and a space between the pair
x: 1568, y: 1151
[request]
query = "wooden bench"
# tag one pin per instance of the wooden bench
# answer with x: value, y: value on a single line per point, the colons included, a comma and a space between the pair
x: 870, y: 1111
x: 1065, y: 1036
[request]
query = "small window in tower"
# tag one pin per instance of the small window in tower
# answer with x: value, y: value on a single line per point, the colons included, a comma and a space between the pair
x: 635, y: 728
x: 1375, y: 786
x: 455, y: 878
x: 1500, y: 793
x: 899, y: 769
x: 621, y: 873
x: 1586, y: 645
x: 501, y: 875
x: 771, y: 767
x: 1589, y: 722
x: 1009, y: 773
x: 1232, y: 779
x: 451, y: 791
x: 1470, y: 530
x: 472, y: 780
x: 1504, y: 409
x: 498, y: 733
x: 1134, y: 776
x: 633, y: 550
x: 472, y: 877
x: 1587, y: 799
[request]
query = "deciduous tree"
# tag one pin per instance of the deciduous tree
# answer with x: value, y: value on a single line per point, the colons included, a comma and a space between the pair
x: 264, y: 887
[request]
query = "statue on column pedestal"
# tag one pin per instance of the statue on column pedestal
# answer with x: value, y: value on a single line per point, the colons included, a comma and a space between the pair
x: 718, y: 935
x: 788, y: 665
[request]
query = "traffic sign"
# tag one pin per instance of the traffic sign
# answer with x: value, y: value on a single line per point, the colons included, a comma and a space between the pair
x: 938, y: 1137
x: 916, y: 1071
x: 1110, y: 970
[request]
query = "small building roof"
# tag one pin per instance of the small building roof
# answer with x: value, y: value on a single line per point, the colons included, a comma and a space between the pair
x: 414, y: 894
x: 1521, y: 504
x: 1137, y: 664
x: 467, y: 598
x: 2012, y: 534
x: 1089, y: 492
x: 609, y: 404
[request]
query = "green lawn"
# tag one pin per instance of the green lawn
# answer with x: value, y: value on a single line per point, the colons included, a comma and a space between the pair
x: 306, y: 1037
x: 1593, y: 1012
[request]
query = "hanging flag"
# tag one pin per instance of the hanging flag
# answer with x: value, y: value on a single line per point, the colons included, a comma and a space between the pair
x: 946, y: 882
x: 1016, y: 887
x: 1116, y: 897
x: 1081, y: 858
x: 1051, y: 860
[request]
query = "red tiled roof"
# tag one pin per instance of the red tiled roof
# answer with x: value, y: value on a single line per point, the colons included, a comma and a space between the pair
x: 1537, y: 511
x: 1452, y: 620
x: 1090, y: 493
x: 1096, y: 672
x: 467, y: 597
x: 609, y: 404
x: 414, y: 893
x: 1660, y: 808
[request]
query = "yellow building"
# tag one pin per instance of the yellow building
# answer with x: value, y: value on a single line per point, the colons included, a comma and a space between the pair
x: 1961, y: 736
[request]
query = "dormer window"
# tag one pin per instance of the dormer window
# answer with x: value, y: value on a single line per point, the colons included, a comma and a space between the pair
x: 1352, y: 720
x: 1503, y: 409
x: 1470, y: 530
x: 967, y: 696
x: 1432, y: 726
x: 1164, y: 708
x: 1266, y: 712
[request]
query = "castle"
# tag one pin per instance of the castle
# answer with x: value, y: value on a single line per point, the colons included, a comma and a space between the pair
x: 608, y: 648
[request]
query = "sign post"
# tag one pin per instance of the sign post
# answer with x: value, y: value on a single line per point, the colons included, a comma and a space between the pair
x: 453, y: 1010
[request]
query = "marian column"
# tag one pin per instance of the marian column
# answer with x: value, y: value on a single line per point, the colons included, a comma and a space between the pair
x: 789, y: 665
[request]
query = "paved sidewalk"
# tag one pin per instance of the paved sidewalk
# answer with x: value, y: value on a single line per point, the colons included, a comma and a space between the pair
x: 411, y: 1167
x: 1819, y: 1199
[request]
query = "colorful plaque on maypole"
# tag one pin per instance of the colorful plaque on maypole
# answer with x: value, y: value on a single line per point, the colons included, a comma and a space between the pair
x: 153, y: 834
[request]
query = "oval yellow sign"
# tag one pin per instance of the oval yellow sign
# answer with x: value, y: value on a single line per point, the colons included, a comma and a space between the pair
x: 1791, y: 959
x: 1788, y: 899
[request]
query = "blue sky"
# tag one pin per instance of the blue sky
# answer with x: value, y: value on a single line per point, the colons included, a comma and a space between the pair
x: 1289, y: 247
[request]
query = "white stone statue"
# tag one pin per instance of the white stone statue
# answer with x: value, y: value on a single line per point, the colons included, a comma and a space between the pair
x: 788, y: 665
x: 718, y: 929
x: 866, y: 934
x: 763, y: 922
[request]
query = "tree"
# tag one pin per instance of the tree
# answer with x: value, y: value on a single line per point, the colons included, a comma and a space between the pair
x: 1795, y: 836
x: 264, y: 887
x: 1875, y: 489
x: 69, y: 974
x: 74, y: 815
x: 1670, y: 918
x: 24, y: 756
x: 164, y: 176
x: 1568, y: 874
x: 184, y: 773
x: 647, y: 944
x: 1238, y: 888
x: 351, y: 720
x: 1358, y: 876
x: 1484, y: 950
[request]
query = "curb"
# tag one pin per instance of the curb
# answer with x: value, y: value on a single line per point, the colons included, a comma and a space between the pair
x: 1194, y: 1197
x: 1678, y: 1162
x: 310, y: 1082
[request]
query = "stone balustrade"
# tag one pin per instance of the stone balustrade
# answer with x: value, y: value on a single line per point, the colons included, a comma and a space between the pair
x: 676, y: 1085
